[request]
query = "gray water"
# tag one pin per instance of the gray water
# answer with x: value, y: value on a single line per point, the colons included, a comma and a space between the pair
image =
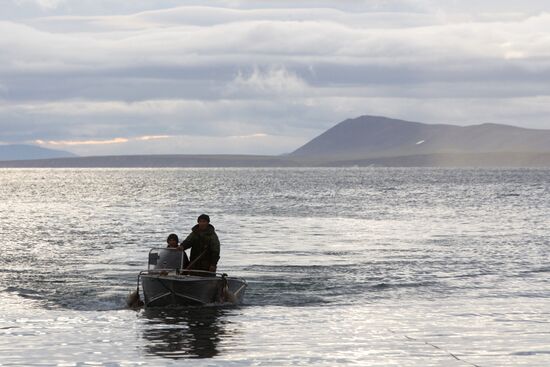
x: 365, y: 266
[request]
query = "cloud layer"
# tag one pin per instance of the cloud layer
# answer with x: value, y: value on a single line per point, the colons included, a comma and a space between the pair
x: 261, y: 77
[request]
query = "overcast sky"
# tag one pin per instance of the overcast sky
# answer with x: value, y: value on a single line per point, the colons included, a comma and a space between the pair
x: 99, y: 77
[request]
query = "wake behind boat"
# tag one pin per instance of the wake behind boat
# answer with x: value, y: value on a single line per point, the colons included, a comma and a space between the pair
x: 167, y: 283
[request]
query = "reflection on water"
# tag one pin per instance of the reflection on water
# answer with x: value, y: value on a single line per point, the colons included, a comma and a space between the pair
x: 192, y: 332
x: 347, y: 267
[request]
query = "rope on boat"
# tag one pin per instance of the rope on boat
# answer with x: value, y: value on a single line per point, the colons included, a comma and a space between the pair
x: 436, y: 347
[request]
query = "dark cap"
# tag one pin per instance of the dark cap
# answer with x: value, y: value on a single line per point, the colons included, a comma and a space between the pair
x: 205, y: 217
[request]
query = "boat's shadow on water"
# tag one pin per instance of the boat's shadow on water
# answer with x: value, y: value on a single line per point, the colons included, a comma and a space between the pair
x: 192, y: 332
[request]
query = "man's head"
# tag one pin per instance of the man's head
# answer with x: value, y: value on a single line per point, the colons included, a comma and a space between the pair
x: 172, y: 240
x: 203, y: 220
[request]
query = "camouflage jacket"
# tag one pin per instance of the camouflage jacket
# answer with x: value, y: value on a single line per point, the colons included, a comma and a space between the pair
x: 200, y: 242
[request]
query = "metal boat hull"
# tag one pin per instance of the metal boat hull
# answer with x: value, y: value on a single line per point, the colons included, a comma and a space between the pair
x: 189, y: 290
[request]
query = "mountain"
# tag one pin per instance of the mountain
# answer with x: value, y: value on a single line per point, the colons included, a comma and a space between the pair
x: 378, y: 139
x: 362, y: 141
x: 25, y: 152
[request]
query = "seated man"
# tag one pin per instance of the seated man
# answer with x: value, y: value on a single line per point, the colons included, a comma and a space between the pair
x: 172, y: 240
x: 173, y: 259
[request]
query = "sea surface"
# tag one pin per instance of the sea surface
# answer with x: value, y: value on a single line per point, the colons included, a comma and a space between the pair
x: 345, y: 266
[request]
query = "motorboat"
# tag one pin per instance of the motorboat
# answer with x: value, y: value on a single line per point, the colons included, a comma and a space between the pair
x: 170, y: 281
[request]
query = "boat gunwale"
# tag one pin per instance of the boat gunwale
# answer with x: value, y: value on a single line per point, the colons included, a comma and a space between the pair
x: 157, y: 273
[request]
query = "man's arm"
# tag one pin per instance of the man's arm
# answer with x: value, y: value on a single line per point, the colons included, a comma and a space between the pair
x: 214, y: 252
x: 187, y: 242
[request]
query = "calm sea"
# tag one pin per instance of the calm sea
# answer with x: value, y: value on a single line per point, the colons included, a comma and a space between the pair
x: 352, y: 267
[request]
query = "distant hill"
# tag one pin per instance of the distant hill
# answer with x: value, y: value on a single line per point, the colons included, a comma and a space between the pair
x: 25, y: 152
x: 378, y: 139
x: 363, y: 141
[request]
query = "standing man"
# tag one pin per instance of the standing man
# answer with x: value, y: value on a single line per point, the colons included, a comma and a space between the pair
x: 204, y: 244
